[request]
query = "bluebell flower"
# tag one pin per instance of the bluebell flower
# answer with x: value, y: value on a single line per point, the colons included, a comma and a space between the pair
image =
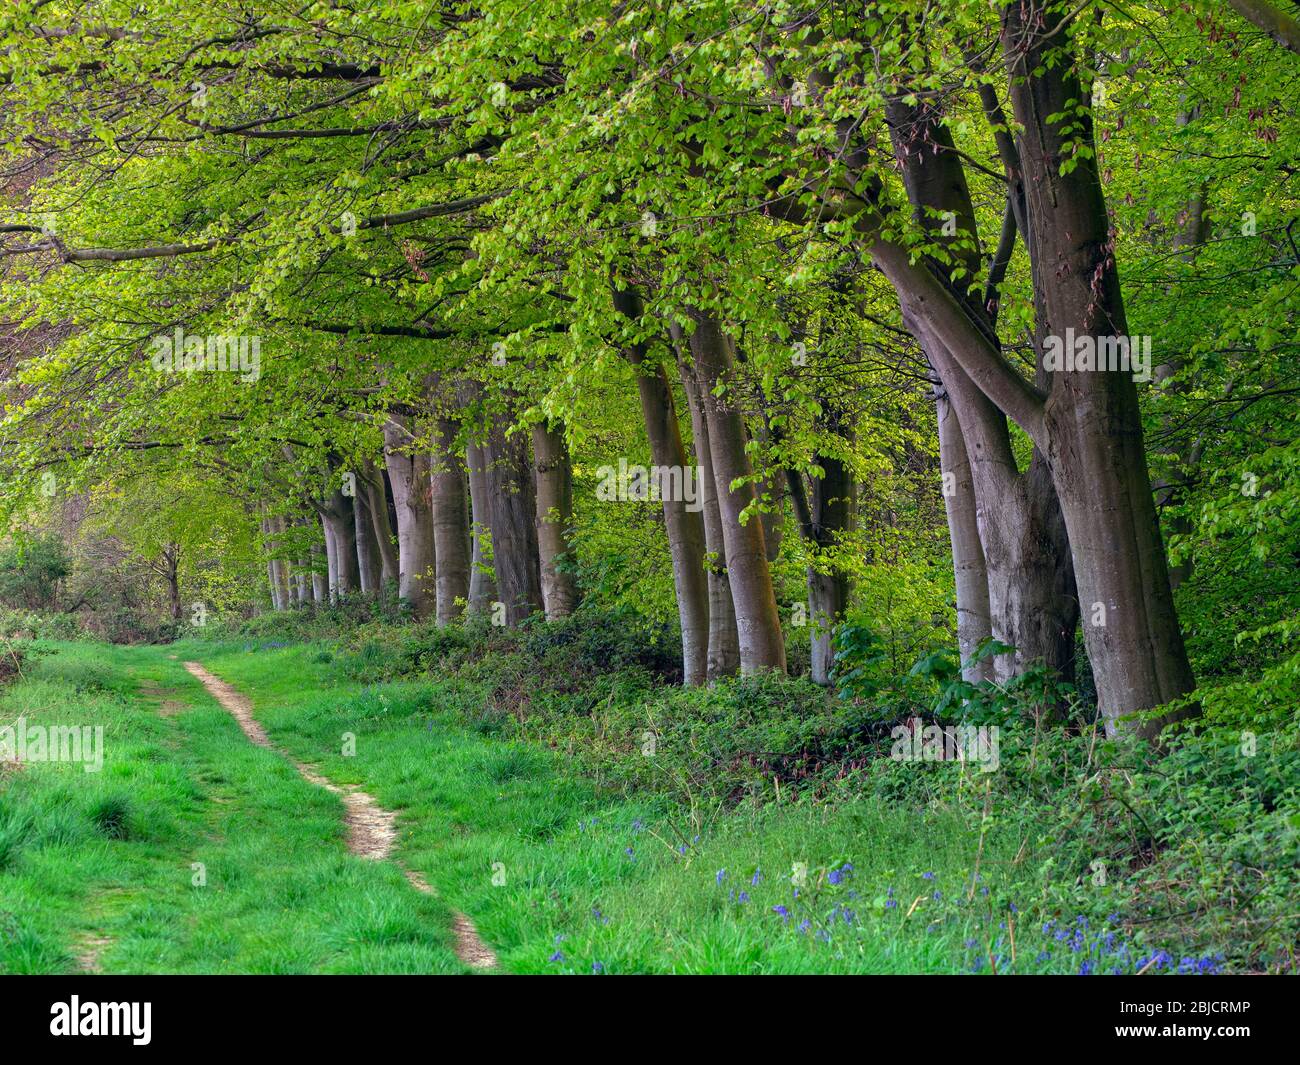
x: 722, y: 875
x: 784, y: 913
x: 840, y: 873
x: 597, y: 967
x: 558, y: 956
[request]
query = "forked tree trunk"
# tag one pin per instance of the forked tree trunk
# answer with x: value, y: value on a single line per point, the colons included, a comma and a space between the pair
x: 511, y: 516
x: 724, y: 641
x: 553, y: 484
x: 450, y: 522
x: 407, y: 461
x: 758, y: 624
x: 683, y: 518
x: 1030, y: 590
x: 1091, y: 421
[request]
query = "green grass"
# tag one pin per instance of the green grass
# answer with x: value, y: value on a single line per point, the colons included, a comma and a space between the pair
x: 533, y: 852
x: 558, y: 875
x: 110, y: 856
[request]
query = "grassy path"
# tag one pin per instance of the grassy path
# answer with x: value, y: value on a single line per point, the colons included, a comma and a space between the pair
x: 371, y: 829
x: 197, y: 851
x: 192, y: 850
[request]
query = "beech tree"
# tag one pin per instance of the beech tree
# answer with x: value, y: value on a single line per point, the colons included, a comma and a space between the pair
x: 851, y: 283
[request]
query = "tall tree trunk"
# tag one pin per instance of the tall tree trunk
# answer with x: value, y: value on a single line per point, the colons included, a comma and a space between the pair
x: 758, y: 624
x: 341, y: 527
x: 974, y: 621
x: 264, y: 525
x: 683, y: 518
x: 724, y: 641
x: 554, y: 497
x: 407, y: 461
x: 1027, y: 563
x: 511, y: 517
x: 450, y: 522
x: 172, y: 562
x: 376, y: 493
x: 301, y: 582
x: 323, y: 567
x: 825, y: 514
x: 275, y: 567
x: 482, y: 579
x: 320, y: 570
x: 280, y: 525
x: 1091, y: 420
x: 370, y: 566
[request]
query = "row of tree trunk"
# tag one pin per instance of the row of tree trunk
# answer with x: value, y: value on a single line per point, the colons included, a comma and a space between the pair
x: 459, y: 518
x: 1072, y: 536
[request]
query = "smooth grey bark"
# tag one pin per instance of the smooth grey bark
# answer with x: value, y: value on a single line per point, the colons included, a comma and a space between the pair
x: 511, y: 517
x: 771, y: 491
x: 340, y: 524
x: 407, y: 460
x: 376, y: 494
x: 1026, y: 559
x: 758, y: 623
x: 1282, y: 27
x: 370, y: 566
x: 320, y: 576
x: 974, y: 620
x: 450, y: 522
x: 682, y: 521
x: 553, y: 492
x: 274, y: 566
x: 301, y: 582
x: 723, y: 659
x: 1092, y: 426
